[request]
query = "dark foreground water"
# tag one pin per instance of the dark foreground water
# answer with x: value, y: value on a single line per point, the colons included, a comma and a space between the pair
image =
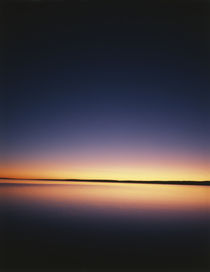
x: 104, y: 226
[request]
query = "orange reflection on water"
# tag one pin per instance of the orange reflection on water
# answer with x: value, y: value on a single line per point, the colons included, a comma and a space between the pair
x: 110, y: 197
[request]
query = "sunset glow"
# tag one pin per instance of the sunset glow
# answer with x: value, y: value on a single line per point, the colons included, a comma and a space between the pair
x: 126, y: 103
x: 104, y: 136
x: 112, y: 166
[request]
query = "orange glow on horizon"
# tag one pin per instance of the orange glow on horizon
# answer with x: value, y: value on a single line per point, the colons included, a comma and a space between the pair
x: 143, y: 171
x: 111, y: 164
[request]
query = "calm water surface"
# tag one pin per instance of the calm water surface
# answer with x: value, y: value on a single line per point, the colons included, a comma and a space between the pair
x: 92, y: 225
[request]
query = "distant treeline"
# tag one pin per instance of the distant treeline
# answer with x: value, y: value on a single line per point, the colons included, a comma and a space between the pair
x: 178, y: 182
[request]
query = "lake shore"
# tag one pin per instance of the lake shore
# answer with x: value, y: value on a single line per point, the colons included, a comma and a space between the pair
x: 180, y: 182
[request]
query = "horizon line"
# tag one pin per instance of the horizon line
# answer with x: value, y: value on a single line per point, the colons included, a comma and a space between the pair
x: 204, y: 182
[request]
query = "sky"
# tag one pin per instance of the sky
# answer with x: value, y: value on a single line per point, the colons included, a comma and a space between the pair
x: 105, y: 90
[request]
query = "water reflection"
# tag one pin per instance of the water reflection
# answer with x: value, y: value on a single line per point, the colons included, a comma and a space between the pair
x: 78, y: 222
x: 126, y: 197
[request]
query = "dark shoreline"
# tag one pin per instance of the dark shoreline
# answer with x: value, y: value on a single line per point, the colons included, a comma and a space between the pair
x: 203, y: 183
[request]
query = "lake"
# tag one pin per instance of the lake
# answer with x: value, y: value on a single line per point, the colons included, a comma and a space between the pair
x: 95, y: 225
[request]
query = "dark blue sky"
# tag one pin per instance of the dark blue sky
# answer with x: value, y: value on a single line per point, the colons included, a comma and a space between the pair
x: 95, y: 77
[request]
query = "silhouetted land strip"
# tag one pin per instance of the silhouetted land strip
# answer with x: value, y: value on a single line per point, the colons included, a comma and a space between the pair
x: 190, y: 182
